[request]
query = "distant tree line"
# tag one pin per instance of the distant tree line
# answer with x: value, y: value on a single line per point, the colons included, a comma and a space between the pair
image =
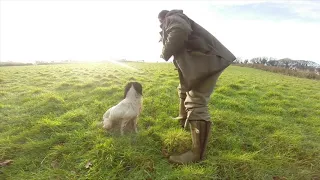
x: 14, y: 64
x: 300, y: 68
x: 11, y: 63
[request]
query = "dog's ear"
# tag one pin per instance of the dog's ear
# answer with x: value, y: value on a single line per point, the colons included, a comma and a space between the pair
x: 138, y: 87
x: 126, y: 89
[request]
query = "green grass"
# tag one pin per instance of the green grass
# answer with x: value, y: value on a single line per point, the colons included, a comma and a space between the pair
x: 265, y: 125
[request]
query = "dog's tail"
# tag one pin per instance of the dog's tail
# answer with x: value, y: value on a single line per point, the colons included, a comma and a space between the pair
x: 106, y: 121
x: 106, y: 114
x: 107, y: 124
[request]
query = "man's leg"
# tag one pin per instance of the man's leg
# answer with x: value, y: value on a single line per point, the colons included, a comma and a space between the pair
x: 198, y: 117
x: 182, y: 97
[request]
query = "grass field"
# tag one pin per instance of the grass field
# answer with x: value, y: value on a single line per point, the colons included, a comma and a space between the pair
x: 266, y: 125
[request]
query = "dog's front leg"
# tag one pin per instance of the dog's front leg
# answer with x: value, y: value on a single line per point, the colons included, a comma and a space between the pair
x: 135, y: 124
x: 123, y: 125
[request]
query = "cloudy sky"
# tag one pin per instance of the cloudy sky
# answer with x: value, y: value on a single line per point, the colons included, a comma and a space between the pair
x: 99, y: 30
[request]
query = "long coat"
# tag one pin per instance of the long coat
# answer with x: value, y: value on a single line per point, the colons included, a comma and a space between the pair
x: 197, y: 53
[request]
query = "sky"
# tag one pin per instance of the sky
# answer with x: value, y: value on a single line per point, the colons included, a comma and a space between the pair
x: 46, y: 30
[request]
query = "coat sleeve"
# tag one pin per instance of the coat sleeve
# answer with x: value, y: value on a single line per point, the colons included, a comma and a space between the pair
x: 178, y: 31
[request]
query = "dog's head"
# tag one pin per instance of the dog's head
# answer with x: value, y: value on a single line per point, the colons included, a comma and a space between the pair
x: 136, y: 85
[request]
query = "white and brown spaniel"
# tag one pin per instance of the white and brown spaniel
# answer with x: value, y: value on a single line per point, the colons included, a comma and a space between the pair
x: 125, y: 114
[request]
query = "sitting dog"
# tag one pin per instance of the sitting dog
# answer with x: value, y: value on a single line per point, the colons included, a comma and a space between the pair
x: 125, y: 114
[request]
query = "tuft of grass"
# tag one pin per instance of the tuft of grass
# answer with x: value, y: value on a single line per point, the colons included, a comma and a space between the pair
x: 235, y: 86
x: 175, y: 141
x: 272, y: 95
x: 77, y: 115
x: 264, y: 125
x: 65, y: 85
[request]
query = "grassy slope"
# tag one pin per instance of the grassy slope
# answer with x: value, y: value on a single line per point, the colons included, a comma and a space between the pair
x: 265, y: 125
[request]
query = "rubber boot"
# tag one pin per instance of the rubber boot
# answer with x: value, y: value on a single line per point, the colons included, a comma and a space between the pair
x: 182, y: 113
x: 205, y: 126
x: 200, y: 131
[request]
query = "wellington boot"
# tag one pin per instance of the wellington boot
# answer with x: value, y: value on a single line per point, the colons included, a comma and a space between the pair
x: 200, y: 134
x: 206, y: 129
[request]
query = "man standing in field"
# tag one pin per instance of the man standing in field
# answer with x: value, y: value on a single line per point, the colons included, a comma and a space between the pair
x: 200, y: 59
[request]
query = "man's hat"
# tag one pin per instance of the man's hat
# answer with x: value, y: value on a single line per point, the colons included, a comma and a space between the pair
x: 162, y: 14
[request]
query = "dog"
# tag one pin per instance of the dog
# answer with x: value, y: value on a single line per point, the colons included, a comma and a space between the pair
x: 126, y: 113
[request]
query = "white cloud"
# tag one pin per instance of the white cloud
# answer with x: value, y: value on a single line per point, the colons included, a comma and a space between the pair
x: 235, y: 2
x: 309, y: 9
x: 96, y: 30
x: 278, y: 40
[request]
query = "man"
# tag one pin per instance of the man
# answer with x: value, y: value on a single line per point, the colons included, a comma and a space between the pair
x: 200, y: 59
